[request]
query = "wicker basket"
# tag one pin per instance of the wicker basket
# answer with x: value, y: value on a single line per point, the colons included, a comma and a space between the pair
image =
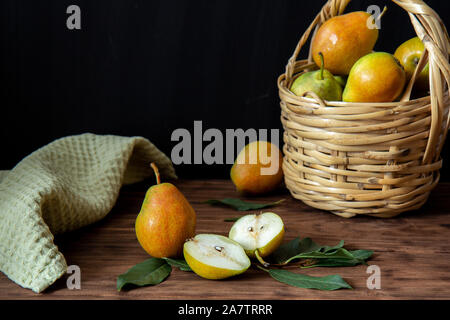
x: 377, y: 159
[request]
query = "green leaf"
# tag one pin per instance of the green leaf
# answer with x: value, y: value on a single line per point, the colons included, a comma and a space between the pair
x: 331, y: 282
x: 327, y: 249
x: 150, y: 272
x: 178, y: 263
x: 291, y: 250
x: 333, y: 263
x: 308, y: 245
x: 359, y: 257
x: 340, y: 253
x: 362, y: 254
x: 241, y: 205
x: 286, y: 250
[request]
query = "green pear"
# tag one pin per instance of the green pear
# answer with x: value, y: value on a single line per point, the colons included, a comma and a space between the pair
x: 342, y: 80
x: 321, y: 82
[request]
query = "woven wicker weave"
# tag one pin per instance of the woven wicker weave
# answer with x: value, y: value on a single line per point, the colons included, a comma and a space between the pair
x: 377, y: 159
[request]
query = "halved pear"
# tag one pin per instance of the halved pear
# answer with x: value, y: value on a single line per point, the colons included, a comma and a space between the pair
x: 259, y: 234
x: 213, y: 256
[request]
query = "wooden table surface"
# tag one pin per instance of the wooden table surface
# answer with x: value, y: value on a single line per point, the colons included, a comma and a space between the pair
x: 412, y: 251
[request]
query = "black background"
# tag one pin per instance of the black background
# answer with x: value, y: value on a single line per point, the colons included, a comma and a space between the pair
x: 148, y: 67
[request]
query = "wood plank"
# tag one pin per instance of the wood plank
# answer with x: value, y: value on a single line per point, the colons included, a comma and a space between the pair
x: 411, y: 250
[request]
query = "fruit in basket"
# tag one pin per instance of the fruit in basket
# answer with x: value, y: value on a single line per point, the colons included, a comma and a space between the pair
x: 342, y: 80
x: 257, y: 168
x: 165, y: 221
x: 321, y: 82
x: 259, y: 234
x: 376, y: 77
x: 409, y: 53
x: 343, y: 40
x: 213, y: 256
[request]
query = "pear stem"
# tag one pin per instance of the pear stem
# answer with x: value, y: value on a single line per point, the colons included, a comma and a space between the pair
x: 260, y: 259
x: 321, y: 65
x: 267, y: 270
x: 155, y: 169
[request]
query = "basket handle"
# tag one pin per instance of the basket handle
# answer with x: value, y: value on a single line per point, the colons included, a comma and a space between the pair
x: 431, y: 30
x: 420, y: 65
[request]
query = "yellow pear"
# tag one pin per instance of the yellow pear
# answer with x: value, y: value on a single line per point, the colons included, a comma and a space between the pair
x: 165, y: 221
x: 376, y: 77
x: 257, y: 168
x: 409, y: 53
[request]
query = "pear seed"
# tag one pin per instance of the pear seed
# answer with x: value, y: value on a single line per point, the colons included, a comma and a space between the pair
x: 250, y: 229
x: 218, y: 248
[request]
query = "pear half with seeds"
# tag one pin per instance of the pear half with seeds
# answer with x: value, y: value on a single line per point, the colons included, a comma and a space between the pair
x: 214, y: 256
x: 259, y: 234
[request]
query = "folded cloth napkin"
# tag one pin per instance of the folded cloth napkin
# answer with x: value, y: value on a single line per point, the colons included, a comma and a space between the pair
x: 67, y: 184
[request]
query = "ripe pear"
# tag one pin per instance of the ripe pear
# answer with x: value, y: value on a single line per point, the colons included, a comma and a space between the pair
x: 321, y: 82
x: 409, y: 53
x: 214, y: 257
x: 165, y: 221
x: 376, y: 77
x: 257, y: 168
x: 343, y: 40
x: 259, y: 234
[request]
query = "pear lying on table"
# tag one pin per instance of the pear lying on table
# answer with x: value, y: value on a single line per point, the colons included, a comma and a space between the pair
x: 215, y: 257
x: 257, y: 168
x: 259, y: 234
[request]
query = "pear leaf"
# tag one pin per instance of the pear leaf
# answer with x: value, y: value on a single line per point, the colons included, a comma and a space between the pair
x: 359, y: 257
x: 178, y: 263
x: 331, y: 282
x: 318, y: 255
x: 241, y: 205
x: 291, y: 250
x: 340, y: 253
x: 361, y: 254
x: 286, y: 250
x: 150, y: 272
x: 328, y: 249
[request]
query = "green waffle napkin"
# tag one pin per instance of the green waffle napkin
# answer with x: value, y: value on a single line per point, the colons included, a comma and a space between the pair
x: 65, y: 185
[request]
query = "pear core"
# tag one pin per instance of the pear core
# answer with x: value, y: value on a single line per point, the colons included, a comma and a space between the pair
x: 263, y: 232
x: 217, y: 251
